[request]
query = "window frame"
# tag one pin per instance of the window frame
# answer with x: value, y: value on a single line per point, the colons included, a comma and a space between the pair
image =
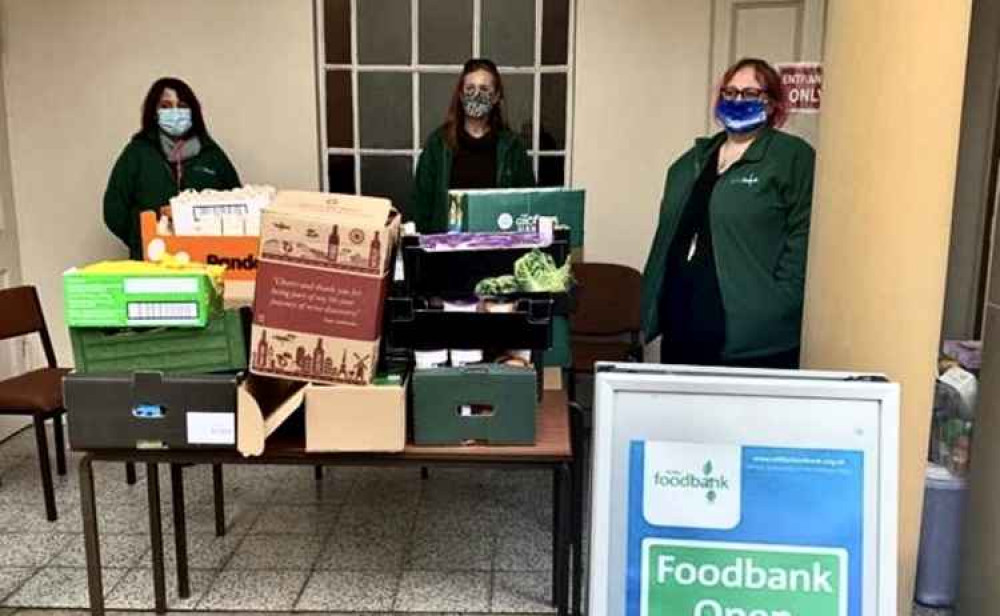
x: 416, y: 69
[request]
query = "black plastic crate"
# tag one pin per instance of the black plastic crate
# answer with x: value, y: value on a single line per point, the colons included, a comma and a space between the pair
x: 414, y: 324
x: 455, y: 274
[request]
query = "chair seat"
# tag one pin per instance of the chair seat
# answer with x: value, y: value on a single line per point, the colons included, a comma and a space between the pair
x: 38, y: 391
x: 588, y: 352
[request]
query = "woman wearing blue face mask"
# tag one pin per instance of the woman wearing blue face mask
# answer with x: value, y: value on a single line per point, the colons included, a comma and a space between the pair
x: 725, y: 277
x: 172, y: 152
x: 473, y: 149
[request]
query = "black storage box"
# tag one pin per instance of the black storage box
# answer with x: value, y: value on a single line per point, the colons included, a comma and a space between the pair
x: 413, y: 324
x: 150, y: 410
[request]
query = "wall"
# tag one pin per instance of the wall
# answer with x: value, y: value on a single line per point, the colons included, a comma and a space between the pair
x: 882, y: 211
x: 973, y: 191
x: 642, y: 69
x: 75, y: 74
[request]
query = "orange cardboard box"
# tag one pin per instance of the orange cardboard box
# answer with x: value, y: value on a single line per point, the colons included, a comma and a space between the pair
x: 323, y: 274
x: 237, y: 253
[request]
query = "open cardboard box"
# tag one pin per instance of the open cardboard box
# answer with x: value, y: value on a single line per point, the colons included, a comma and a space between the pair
x: 338, y: 418
x: 323, y: 276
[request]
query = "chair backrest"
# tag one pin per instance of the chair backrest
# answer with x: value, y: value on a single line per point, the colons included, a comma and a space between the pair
x: 21, y: 314
x: 607, y: 299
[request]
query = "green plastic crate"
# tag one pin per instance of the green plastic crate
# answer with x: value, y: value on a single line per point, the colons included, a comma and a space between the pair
x: 218, y: 347
x: 139, y: 300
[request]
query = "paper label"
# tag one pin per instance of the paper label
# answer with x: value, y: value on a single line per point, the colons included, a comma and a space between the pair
x: 211, y: 428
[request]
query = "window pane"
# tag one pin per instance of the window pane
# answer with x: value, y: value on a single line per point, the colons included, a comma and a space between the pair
x: 551, y: 170
x: 519, y: 104
x: 555, y: 31
x: 445, y: 31
x: 384, y: 32
x: 553, y: 133
x: 388, y: 176
x: 341, y: 174
x: 386, y: 110
x: 339, y: 127
x: 337, y: 31
x: 435, y: 96
x: 509, y: 32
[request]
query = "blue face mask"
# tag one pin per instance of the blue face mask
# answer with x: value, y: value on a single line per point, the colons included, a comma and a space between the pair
x: 741, y: 116
x: 174, y: 121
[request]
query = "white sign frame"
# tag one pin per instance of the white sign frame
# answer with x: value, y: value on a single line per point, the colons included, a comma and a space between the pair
x: 611, y: 425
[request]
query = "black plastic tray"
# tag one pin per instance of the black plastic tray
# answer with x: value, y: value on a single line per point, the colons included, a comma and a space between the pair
x: 413, y: 324
x: 452, y: 275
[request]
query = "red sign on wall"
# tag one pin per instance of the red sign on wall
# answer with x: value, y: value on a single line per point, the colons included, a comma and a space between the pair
x: 803, y: 82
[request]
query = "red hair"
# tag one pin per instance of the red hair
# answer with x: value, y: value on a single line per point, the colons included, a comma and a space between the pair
x: 456, y: 112
x: 770, y: 82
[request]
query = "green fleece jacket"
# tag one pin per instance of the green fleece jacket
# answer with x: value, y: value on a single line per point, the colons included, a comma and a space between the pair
x: 759, y: 214
x: 142, y: 179
x: 429, y: 204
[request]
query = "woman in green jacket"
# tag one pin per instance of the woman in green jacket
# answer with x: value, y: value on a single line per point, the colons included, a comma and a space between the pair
x: 473, y: 149
x: 725, y: 277
x: 172, y: 152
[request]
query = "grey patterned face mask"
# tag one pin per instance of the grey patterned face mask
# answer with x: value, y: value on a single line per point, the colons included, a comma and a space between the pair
x: 478, y: 104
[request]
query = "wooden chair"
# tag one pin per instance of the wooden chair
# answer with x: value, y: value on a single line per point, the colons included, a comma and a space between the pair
x: 37, y: 393
x: 606, y: 323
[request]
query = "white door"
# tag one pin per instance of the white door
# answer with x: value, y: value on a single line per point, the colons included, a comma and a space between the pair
x: 12, y: 353
x: 778, y: 31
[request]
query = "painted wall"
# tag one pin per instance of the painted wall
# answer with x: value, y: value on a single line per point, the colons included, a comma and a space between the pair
x: 882, y: 212
x: 75, y: 75
x: 642, y: 84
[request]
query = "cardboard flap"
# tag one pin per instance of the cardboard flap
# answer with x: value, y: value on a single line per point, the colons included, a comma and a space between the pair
x: 262, y: 405
x: 365, y: 211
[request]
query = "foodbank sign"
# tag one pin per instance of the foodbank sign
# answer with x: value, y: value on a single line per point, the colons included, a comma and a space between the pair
x: 720, y: 579
x: 728, y: 530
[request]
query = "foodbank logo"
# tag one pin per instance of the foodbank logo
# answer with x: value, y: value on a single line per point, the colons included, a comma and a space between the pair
x: 707, y: 481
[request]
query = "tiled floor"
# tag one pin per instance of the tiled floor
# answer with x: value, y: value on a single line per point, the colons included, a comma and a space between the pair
x: 464, y: 541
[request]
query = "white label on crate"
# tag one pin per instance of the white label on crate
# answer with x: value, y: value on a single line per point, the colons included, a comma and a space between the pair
x: 161, y: 284
x: 211, y: 428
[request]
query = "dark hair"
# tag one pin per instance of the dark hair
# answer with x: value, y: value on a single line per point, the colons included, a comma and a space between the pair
x: 456, y: 112
x: 184, y: 93
x: 770, y: 80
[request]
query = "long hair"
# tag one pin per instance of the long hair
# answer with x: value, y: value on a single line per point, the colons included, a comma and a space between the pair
x: 456, y: 112
x: 771, y: 83
x: 184, y: 93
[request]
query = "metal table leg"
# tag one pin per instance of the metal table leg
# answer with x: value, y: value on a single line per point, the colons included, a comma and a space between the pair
x: 60, y: 438
x: 92, y: 546
x: 130, y: 477
x: 180, y: 531
x: 156, y: 538
x: 220, y: 501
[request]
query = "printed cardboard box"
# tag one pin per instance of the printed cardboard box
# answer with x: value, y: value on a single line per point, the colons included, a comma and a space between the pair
x: 517, y: 209
x: 323, y: 273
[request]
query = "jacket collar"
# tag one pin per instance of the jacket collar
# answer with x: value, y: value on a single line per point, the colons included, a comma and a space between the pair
x: 704, y: 146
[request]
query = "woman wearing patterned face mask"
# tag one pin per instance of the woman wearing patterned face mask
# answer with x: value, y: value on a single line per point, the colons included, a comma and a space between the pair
x: 171, y: 152
x: 725, y: 276
x: 473, y: 149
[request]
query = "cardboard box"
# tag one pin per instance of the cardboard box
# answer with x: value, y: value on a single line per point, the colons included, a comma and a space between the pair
x: 219, y: 346
x: 346, y: 418
x: 518, y: 209
x: 357, y: 418
x: 490, y: 404
x: 167, y: 299
x: 147, y: 410
x: 323, y: 274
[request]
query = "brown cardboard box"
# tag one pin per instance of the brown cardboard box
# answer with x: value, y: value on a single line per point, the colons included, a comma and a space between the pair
x: 322, y: 278
x: 356, y: 418
x: 337, y: 417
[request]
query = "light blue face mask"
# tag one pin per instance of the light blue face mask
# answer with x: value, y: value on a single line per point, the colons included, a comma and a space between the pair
x: 175, y: 121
